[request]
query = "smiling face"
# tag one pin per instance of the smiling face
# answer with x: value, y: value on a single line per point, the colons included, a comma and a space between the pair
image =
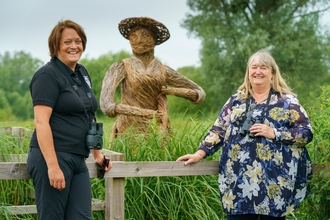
x: 70, y: 48
x: 141, y: 41
x: 260, y: 74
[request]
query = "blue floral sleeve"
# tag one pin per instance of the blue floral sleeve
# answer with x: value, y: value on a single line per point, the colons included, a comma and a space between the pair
x: 214, y: 138
x: 291, y: 124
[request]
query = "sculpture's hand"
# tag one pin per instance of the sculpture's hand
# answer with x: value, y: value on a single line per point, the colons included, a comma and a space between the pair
x: 159, y: 115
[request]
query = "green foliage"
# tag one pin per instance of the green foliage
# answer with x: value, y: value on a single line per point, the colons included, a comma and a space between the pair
x: 231, y: 31
x: 5, y: 109
x: 318, y: 202
x: 16, y: 73
x: 22, y: 105
x: 320, y: 115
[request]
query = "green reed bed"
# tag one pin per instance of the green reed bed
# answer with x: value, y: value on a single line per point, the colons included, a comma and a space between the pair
x: 194, y: 197
x: 175, y: 198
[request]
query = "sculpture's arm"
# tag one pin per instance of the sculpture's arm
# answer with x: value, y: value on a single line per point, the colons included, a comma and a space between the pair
x: 113, y: 77
x: 136, y: 111
x: 183, y: 87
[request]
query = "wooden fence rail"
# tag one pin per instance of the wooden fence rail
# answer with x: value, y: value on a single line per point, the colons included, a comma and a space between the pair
x: 115, y: 178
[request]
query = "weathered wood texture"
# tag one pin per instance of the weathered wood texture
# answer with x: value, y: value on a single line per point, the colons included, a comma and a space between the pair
x: 17, y: 170
x: 120, y: 169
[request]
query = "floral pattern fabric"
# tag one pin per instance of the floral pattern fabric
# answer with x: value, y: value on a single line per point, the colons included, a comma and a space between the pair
x: 259, y: 175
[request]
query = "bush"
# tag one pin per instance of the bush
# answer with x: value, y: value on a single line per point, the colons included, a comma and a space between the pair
x: 318, y: 203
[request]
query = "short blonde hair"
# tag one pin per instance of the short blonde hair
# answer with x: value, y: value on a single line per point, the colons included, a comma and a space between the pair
x: 278, y: 84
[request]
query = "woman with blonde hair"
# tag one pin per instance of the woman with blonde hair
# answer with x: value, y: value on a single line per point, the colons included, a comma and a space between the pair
x: 262, y: 130
x: 277, y: 83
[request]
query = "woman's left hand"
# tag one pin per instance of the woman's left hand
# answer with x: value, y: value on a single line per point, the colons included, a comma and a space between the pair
x: 262, y: 130
x: 100, y: 159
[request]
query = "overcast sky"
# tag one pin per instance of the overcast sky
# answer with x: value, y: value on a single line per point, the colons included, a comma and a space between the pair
x: 26, y: 24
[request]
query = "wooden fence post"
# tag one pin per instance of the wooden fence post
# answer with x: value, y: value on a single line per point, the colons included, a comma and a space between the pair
x: 114, y: 201
x: 114, y: 191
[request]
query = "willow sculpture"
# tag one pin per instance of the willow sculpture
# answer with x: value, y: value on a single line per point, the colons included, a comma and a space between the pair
x: 144, y: 80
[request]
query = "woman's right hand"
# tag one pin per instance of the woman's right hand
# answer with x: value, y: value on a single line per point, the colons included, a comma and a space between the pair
x: 42, y: 115
x: 190, y: 158
x: 56, y: 178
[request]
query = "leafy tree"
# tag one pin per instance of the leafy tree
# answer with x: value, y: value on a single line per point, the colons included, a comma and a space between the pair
x: 5, y: 109
x: 22, y: 105
x: 232, y: 30
x: 16, y: 73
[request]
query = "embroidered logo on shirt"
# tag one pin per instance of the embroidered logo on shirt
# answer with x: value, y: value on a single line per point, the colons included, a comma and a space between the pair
x: 88, y: 82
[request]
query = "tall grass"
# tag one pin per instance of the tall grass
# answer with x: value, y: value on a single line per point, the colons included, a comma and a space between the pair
x: 175, y: 198
x: 194, y: 197
x: 14, y: 192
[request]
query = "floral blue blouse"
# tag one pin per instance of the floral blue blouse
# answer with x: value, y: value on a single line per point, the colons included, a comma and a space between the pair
x: 259, y: 175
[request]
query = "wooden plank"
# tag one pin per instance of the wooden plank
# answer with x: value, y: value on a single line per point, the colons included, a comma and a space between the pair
x: 120, y: 169
x: 163, y: 168
x: 17, y: 131
x: 13, y: 171
x: 97, y: 205
x: 17, y: 170
x: 18, y: 210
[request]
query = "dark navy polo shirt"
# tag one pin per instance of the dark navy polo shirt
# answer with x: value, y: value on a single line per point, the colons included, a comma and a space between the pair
x: 68, y: 121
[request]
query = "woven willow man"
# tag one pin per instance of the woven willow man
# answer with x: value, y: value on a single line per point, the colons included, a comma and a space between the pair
x: 144, y: 80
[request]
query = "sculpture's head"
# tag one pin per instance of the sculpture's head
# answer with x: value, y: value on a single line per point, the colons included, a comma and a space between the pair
x: 157, y: 30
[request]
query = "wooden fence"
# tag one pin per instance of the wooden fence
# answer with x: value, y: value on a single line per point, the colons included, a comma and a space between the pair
x: 115, y: 178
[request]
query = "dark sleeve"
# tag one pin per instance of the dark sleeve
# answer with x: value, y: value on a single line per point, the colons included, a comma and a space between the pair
x: 44, y: 90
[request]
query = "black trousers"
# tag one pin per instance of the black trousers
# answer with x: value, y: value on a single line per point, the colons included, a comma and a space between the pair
x: 74, y: 202
x: 253, y: 217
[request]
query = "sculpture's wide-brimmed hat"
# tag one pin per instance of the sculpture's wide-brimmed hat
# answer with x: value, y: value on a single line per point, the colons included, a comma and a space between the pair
x: 161, y: 32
